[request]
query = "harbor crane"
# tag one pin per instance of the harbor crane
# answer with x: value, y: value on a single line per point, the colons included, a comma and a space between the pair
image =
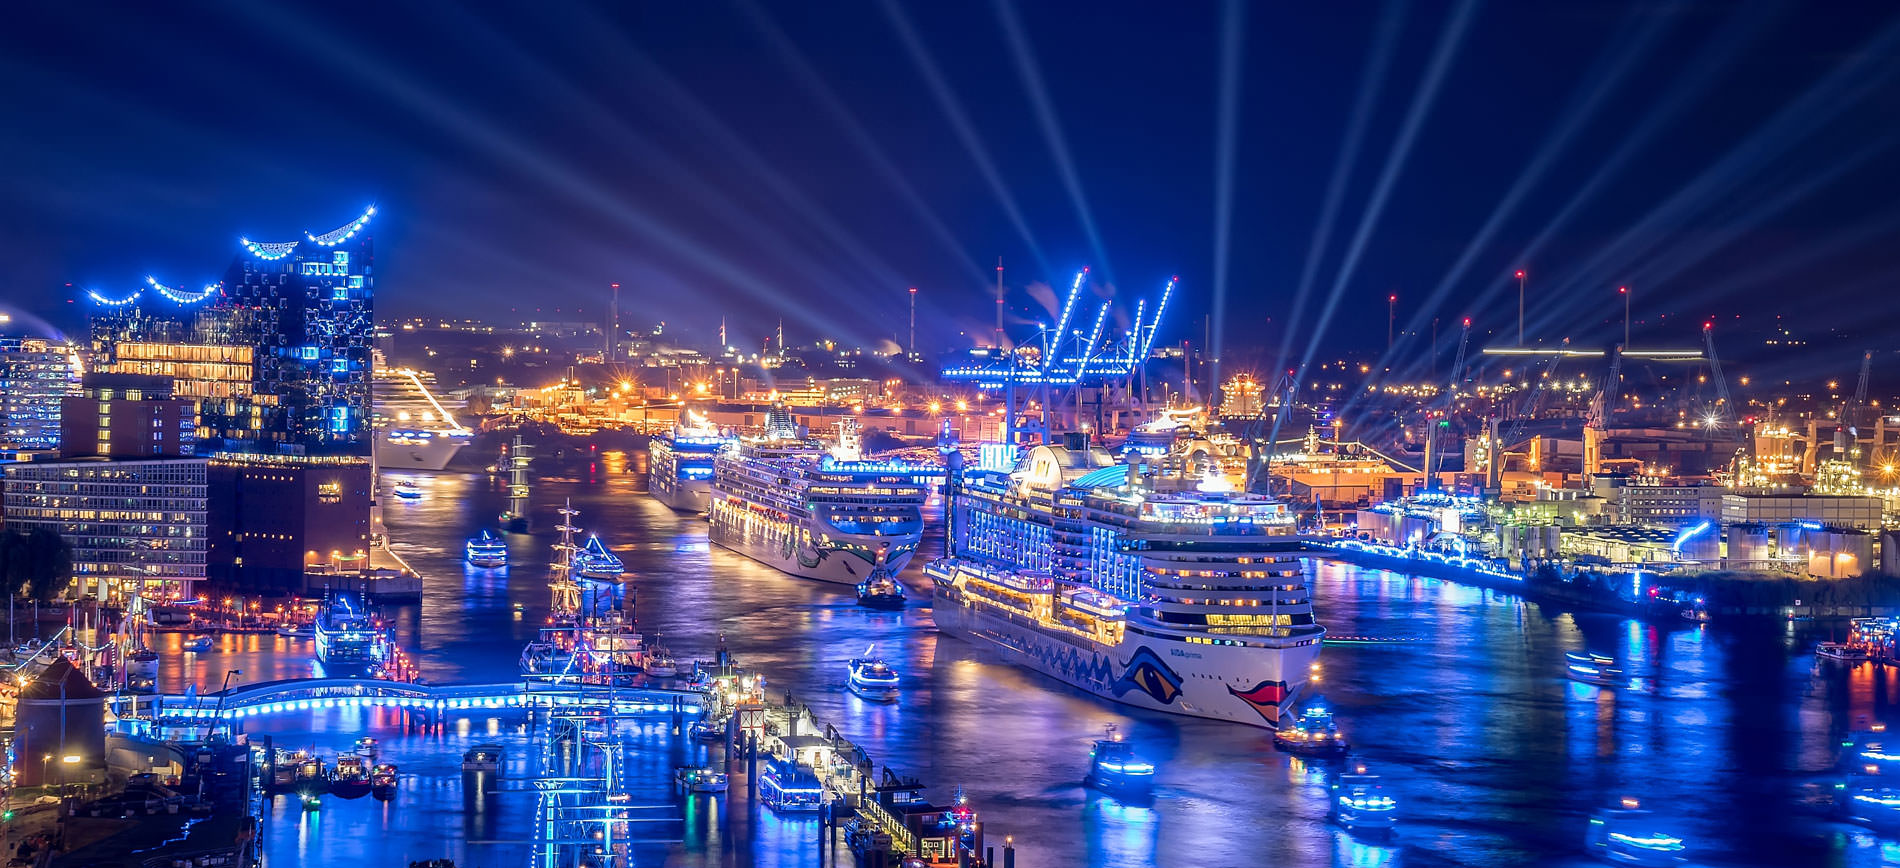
x: 1433, y: 458
x: 1724, y: 412
x: 1846, y: 435
x: 1598, y: 417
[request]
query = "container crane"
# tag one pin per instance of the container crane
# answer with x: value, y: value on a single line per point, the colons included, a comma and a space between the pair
x: 1846, y: 436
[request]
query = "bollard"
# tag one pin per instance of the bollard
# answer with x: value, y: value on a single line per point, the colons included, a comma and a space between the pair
x: 989, y: 856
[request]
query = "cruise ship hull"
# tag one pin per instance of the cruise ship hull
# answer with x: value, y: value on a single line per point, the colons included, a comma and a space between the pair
x: 835, y: 563
x: 1247, y: 685
x: 685, y: 495
x: 410, y: 453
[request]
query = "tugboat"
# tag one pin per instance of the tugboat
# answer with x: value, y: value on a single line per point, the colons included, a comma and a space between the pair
x: 881, y: 591
x: 1314, y: 734
x: 1114, y: 768
x: 699, y: 780
x: 352, y: 778
x: 1627, y: 835
x: 486, y: 551
x: 1360, y: 806
x: 482, y: 758
x: 872, y: 678
x: 1593, y: 668
x: 382, y: 782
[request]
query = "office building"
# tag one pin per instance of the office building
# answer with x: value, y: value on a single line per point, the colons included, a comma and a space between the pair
x: 35, y: 374
x: 274, y: 518
x: 125, y: 416
x: 135, y: 526
x: 215, y: 378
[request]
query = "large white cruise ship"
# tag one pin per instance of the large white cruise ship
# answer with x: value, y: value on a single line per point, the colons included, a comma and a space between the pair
x: 1150, y: 582
x: 680, y: 463
x: 414, y: 431
x: 817, y: 513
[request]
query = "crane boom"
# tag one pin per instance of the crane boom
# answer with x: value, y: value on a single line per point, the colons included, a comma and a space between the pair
x: 1451, y: 395
x: 1724, y: 408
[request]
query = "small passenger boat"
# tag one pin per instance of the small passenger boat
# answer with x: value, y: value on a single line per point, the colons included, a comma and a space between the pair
x: 407, y: 490
x: 872, y: 678
x: 197, y: 644
x: 788, y: 789
x: 486, y: 551
x: 595, y: 562
x: 1840, y: 652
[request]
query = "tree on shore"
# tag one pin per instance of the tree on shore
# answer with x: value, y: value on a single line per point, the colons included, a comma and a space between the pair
x: 39, y: 562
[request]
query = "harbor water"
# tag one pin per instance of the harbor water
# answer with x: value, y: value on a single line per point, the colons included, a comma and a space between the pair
x: 1460, y: 704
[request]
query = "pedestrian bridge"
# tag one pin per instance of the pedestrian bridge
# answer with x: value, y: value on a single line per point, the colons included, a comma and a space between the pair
x: 309, y: 694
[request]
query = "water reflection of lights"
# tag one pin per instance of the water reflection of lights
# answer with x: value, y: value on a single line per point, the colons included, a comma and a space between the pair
x: 1119, y: 833
x: 1355, y: 853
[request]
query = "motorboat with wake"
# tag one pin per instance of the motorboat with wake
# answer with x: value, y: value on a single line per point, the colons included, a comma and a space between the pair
x: 1114, y: 768
x: 1629, y: 835
x: 1592, y: 668
x: 872, y: 678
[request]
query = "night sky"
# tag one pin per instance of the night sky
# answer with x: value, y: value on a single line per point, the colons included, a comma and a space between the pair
x: 813, y: 160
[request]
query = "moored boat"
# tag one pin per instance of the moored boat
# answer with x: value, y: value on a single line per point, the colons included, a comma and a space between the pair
x: 346, y: 634
x: 1841, y: 652
x: 660, y: 662
x: 351, y: 778
x: 787, y: 788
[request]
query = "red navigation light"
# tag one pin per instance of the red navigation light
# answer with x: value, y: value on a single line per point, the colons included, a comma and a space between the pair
x: 1707, y: 326
x: 1520, y: 275
x: 1467, y: 322
x: 1392, y: 298
x: 1623, y: 289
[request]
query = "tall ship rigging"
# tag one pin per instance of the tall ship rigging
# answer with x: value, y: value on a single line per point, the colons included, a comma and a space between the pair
x: 414, y: 431
x: 590, y: 635
x: 680, y: 463
x: 1149, y: 580
x: 826, y: 514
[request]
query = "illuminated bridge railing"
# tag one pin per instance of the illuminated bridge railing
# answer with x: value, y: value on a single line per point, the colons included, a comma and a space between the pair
x: 311, y: 694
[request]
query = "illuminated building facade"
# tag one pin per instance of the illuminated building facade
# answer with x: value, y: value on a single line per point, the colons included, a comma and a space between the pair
x: 125, y: 416
x: 132, y: 523
x: 275, y: 517
x: 35, y: 376
x: 216, y: 378
x: 307, y: 307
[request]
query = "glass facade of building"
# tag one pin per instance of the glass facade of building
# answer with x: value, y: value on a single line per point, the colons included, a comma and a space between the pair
x: 35, y: 375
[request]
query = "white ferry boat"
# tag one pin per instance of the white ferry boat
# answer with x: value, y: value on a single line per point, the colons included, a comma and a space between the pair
x: 680, y: 463
x: 817, y: 513
x: 1150, y: 583
x: 414, y: 431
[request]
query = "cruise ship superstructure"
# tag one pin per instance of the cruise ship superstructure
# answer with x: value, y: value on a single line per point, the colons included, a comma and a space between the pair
x: 680, y: 463
x: 817, y: 512
x: 1149, y: 581
x: 414, y: 431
